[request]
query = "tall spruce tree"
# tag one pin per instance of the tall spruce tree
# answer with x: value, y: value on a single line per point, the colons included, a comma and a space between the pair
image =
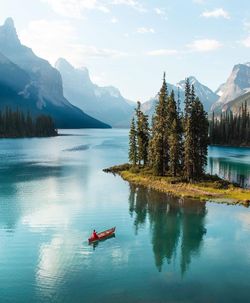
x: 188, y: 133
x: 133, y: 153
x: 142, y: 132
x: 200, y: 135
x: 159, y: 153
x: 174, y: 135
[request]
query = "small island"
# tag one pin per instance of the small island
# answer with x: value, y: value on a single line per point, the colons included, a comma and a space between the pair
x: 17, y: 124
x: 171, y: 156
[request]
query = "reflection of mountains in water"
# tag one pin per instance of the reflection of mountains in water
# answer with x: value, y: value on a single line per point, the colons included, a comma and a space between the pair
x: 177, y: 225
x: 233, y: 171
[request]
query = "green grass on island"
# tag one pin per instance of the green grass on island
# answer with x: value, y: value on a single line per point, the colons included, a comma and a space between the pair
x: 210, y: 187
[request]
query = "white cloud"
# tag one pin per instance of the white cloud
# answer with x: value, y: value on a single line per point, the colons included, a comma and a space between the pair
x: 132, y: 3
x: 246, y: 42
x: 161, y: 12
x: 162, y: 52
x: 204, y: 45
x: 199, y: 1
x: 246, y: 25
x: 75, y: 8
x: 145, y: 30
x: 53, y: 39
x: 217, y: 13
x: 114, y: 20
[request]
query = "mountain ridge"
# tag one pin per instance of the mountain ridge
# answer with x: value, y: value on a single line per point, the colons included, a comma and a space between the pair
x: 40, y: 84
x: 105, y: 103
x: 237, y: 84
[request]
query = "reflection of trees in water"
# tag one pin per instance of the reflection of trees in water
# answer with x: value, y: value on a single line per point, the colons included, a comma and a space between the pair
x: 193, y: 214
x: 174, y: 223
x: 232, y: 171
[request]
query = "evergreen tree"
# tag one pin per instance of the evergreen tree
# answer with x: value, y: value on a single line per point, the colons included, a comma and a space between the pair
x: 159, y: 142
x: 178, y: 142
x: 142, y: 132
x: 16, y: 124
x: 174, y: 135
x: 200, y: 135
x: 189, y: 143
x: 133, y: 156
x: 231, y: 129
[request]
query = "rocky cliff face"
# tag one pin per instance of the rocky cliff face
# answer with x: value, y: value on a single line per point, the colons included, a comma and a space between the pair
x: 236, y: 85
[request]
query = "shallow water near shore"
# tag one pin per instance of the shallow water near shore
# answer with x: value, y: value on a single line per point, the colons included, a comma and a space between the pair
x: 53, y: 193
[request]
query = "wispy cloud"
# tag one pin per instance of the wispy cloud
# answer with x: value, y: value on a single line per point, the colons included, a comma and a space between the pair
x: 145, y: 30
x: 161, y: 12
x: 75, y: 8
x: 246, y: 25
x: 204, y: 45
x: 199, y: 1
x: 114, y: 20
x: 53, y: 39
x: 132, y: 3
x: 246, y: 42
x: 216, y: 13
x: 162, y: 52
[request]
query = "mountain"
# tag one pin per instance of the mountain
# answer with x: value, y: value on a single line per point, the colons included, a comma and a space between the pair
x: 148, y: 107
x: 220, y: 90
x: 104, y: 103
x: 235, y: 105
x: 236, y: 85
x: 30, y: 82
x: 206, y: 95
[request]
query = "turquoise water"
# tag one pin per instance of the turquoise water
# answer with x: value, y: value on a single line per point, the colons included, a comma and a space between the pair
x: 53, y: 193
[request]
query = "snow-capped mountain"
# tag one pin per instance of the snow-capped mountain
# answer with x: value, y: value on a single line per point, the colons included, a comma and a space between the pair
x: 205, y: 94
x: 104, y: 103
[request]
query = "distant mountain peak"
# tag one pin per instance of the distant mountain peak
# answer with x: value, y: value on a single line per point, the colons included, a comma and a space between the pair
x: 63, y: 63
x: 65, y: 66
x: 192, y: 79
x: 9, y: 22
x: 8, y: 32
x: 102, y: 102
x: 237, y: 84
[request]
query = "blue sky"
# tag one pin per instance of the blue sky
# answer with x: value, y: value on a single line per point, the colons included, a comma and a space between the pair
x: 129, y: 43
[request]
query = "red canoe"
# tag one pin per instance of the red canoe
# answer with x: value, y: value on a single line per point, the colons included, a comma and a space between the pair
x: 103, y: 235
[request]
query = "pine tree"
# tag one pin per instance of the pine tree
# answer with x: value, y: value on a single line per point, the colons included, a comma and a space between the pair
x: 159, y: 142
x: 200, y: 135
x: 188, y: 133
x: 133, y: 156
x: 142, y: 132
x: 174, y: 135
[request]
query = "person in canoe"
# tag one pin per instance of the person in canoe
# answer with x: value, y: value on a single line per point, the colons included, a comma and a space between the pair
x: 94, y: 235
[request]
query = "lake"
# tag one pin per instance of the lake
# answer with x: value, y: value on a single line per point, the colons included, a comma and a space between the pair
x: 53, y: 193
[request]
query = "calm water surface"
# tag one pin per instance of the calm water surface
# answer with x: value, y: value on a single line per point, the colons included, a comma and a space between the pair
x: 53, y: 193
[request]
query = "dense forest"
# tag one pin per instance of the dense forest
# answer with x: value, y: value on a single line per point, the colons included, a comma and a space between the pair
x: 231, y: 129
x: 15, y: 124
x: 176, y: 144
